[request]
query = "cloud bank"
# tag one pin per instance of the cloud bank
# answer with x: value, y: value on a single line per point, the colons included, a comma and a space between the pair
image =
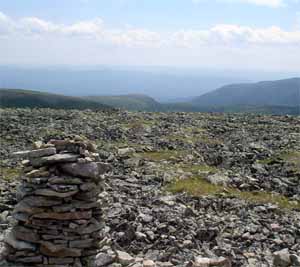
x: 97, y: 31
x: 267, y: 3
x: 33, y: 40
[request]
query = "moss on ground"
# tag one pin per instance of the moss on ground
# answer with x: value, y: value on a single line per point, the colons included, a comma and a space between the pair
x: 162, y: 155
x: 291, y: 156
x: 193, y: 135
x: 196, y: 169
x: 197, y: 186
x: 9, y: 174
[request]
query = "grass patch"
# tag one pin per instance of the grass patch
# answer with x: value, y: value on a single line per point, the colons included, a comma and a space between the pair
x: 197, y: 186
x: 209, y: 140
x: 194, y: 134
x: 266, y: 197
x: 9, y: 174
x: 184, y: 138
x: 162, y: 155
x: 195, y: 169
x: 292, y: 157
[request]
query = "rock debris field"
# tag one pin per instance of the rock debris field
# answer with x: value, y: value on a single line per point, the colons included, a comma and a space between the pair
x: 181, y: 189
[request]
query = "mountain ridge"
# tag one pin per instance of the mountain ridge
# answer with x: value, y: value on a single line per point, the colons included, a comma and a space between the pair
x: 284, y: 92
x: 270, y: 97
x: 21, y: 98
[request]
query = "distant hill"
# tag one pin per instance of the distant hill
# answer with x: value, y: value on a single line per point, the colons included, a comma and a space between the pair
x: 284, y: 93
x: 137, y: 102
x: 160, y: 83
x: 35, y: 99
x: 270, y: 97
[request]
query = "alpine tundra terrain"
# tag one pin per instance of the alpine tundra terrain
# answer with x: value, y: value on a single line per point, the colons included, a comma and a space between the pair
x: 185, y: 189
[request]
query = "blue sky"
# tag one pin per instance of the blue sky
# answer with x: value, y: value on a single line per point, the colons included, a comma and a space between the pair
x: 250, y: 34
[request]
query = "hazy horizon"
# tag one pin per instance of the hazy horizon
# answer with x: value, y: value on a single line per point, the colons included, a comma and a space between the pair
x: 178, y: 82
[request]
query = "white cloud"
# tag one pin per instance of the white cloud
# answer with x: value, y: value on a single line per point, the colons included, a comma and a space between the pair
x: 268, y: 3
x: 227, y: 34
x: 97, y: 31
x: 92, y: 27
x: 33, y: 25
x: 298, y: 20
x: 6, y: 25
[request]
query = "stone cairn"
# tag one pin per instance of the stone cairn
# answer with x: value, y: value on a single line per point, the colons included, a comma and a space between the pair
x: 58, y: 218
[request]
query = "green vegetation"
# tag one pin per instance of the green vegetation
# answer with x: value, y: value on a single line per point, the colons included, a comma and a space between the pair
x: 194, y: 134
x: 196, y: 169
x: 135, y: 102
x: 197, y: 186
x: 261, y: 97
x: 229, y: 99
x: 292, y: 157
x: 162, y: 155
x: 15, y: 98
x: 9, y: 174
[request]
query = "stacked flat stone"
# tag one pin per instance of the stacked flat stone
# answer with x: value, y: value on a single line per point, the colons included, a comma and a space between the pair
x: 58, y: 218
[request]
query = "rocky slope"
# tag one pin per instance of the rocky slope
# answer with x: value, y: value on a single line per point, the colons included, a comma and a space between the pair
x: 184, y: 186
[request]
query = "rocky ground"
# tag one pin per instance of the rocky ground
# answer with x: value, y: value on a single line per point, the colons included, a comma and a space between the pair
x: 184, y: 186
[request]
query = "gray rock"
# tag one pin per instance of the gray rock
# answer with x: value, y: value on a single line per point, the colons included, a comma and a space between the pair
x: 53, y: 193
x: 124, y: 258
x: 54, y: 159
x: 295, y: 260
x: 149, y: 263
x: 125, y: 151
x: 86, y: 170
x: 103, y: 259
x: 207, y: 262
x: 218, y: 179
x: 282, y: 258
x: 10, y: 239
x: 42, y: 152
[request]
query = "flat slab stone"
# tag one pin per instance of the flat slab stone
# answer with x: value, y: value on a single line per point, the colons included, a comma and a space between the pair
x: 86, y: 170
x: 78, y: 215
x: 54, y: 159
x: 25, y: 207
x: 35, y: 153
x: 85, y: 243
x: 37, y: 174
x: 11, y: 239
x: 41, y: 201
x: 65, y: 180
x: 33, y: 259
x: 53, y: 193
x: 59, y: 251
x: 42, y: 152
x: 25, y: 234
x: 61, y: 188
